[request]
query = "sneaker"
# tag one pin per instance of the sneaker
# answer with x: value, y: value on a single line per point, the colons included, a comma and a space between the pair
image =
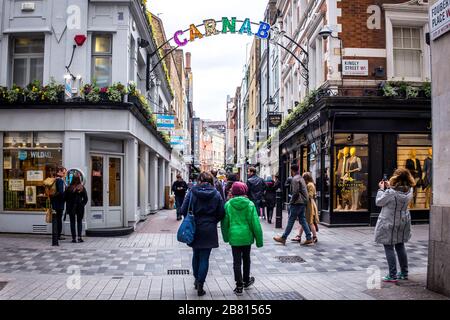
x: 249, y: 283
x: 80, y: 240
x: 315, y: 239
x: 390, y: 279
x: 297, y: 239
x: 238, y: 291
x: 401, y: 276
x: 308, y: 243
x: 280, y: 240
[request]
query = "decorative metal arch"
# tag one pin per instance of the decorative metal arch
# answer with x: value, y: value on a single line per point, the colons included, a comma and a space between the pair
x: 304, y: 74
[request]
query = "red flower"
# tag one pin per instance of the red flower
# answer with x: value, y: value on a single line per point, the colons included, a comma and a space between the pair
x: 104, y: 90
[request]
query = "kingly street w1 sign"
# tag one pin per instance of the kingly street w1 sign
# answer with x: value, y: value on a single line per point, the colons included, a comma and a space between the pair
x: 439, y: 18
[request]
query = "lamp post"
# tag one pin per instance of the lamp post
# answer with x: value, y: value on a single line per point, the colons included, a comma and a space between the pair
x: 328, y: 32
x: 270, y: 102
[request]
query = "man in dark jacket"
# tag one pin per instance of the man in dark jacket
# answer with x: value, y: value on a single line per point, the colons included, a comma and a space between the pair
x: 297, y: 206
x: 179, y: 188
x: 208, y: 209
x: 57, y: 201
x: 256, y: 187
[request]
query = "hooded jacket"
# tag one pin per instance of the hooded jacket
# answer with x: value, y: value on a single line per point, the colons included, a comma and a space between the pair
x: 256, y: 187
x: 207, y: 208
x: 241, y: 226
x: 394, y: 222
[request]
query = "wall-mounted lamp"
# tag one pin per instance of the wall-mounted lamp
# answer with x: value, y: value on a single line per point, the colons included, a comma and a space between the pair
x: 80, y: 39
x: 379, y: 72
x: 143, y: 43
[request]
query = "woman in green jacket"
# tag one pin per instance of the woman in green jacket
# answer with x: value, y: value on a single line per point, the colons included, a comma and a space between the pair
x: 240, y: 228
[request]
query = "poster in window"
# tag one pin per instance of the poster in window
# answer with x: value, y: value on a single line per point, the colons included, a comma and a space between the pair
x: 7, y: 162
x: 35, y: 175
x: 30, y: 193
x: 16, y: 185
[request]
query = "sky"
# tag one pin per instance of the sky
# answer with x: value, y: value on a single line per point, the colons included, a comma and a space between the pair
x: 218, y: 61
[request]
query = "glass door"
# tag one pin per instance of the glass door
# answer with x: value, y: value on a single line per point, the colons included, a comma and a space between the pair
x: 106, y: 191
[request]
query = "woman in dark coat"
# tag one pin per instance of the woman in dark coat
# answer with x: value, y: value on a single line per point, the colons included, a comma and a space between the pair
x: 270, y: 197
x: 76, y: 198
x: 208, y: 209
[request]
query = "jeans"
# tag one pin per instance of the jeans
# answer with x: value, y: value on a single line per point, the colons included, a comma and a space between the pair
x: 179, y: 203
x: 79, y: 218
x: 297, y: 211
x: 257, y: 204
x: 241, y: 254
x: 59, y: 217
x: 392, y: 261
x: 200, y: 264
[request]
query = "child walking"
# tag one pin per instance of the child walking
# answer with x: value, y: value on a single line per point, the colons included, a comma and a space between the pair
x: 240, y: 228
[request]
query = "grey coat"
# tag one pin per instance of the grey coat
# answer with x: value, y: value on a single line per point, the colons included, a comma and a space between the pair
x: 394, y: 222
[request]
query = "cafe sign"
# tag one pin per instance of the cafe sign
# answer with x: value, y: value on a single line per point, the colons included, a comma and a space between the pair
x: 355, y: 67
x: 439, y: 19
x: 275, y: 119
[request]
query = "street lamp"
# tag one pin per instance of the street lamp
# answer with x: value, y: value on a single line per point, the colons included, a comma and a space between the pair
x: 328, y: 32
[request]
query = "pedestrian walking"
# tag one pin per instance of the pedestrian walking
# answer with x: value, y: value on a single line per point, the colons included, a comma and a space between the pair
x: 297, y: 206
x: 393, y: 228
x: 179, y: 188
x: 240, y: 228
x: 231, y: 178
x: 270, y: 197
x: 312, y: 212
x: 256, y: 187
x: 218, y: 184
x: 76, y: 198
x: 208, y: 209
x: 57, y: 203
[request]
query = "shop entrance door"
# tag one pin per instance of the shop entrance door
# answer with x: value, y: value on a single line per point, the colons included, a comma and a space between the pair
x: 106, y: 173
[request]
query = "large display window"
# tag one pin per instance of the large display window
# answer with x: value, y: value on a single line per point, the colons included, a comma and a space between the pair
x: 28, y: 159
x: 351, y: 154
x: 414, y: 152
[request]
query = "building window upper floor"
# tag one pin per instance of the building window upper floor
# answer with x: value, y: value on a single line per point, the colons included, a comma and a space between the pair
x: 102, y: 59
x: 408, y: 52
x: 27, y: 60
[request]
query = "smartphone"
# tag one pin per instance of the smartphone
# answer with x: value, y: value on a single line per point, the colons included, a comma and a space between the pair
x: 385, y: 177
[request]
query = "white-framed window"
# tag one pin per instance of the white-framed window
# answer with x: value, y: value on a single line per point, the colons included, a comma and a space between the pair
x: 408, y: 52
x: 102, y: 59
x: 27, y: 60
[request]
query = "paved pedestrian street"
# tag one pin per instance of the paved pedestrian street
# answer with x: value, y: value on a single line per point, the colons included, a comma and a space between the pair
x: 151, y: 264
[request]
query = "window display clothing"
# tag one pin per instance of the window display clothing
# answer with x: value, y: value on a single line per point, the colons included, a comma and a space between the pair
x: 353, y: 171
x: 428, y: 173
x: 413, y: 165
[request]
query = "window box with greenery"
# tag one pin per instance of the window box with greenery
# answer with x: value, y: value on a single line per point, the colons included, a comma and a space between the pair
x: 14, y: 95
x: 404, y: 90
x: 91, y: 93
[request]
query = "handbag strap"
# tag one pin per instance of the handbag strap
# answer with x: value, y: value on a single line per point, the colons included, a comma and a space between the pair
x: 191, y: 206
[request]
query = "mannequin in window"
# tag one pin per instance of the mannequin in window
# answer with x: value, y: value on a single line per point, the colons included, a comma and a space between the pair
x: 354, y: 167
x: 413, y: 165
x: 427, y: 177
x: 341, y: 177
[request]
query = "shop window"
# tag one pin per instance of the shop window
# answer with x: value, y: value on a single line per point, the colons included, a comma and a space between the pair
x: 414, y: 152
x: 102, y: 59
x: 27, y: 60
x: 28, y: 159
x: 351, y: 172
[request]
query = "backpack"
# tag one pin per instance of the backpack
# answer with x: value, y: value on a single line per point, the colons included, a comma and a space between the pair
x: 50, y: 187
x: 186, y: 231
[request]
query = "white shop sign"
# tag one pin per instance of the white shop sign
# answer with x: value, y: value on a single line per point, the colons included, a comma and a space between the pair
x: 439, y: 18
x: 355, y: 67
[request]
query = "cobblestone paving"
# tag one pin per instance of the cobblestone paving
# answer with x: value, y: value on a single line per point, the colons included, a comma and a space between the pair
x: 135, y: 266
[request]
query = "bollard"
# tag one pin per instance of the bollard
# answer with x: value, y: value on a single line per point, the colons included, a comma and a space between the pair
x: 279, y: 213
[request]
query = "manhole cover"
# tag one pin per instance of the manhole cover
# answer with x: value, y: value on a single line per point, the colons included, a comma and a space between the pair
x: 2, y: 284
x: 289, y: 295
x: 178, y: 272
x: 290, y: 259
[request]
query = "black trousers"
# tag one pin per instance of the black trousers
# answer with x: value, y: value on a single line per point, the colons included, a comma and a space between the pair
x: 79, y: 221
x: 241, y: 254
x: 59, y: 222
x: 269, y: 213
